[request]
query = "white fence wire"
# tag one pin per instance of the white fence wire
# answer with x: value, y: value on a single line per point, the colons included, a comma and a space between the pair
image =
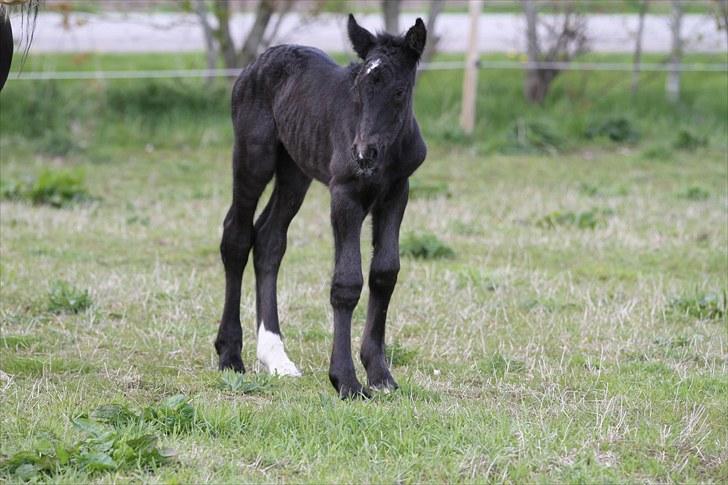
x: 433, y: 66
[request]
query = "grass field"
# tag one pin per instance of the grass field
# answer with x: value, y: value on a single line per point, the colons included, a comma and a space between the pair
x: 578, y: 332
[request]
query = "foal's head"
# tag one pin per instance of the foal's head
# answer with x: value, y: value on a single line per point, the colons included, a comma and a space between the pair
x: 383, y: 89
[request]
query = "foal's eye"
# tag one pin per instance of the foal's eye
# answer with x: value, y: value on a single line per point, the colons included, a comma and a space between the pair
x: 399, y: 95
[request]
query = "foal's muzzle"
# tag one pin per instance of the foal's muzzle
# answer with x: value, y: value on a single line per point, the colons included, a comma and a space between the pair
x: 365, y: 157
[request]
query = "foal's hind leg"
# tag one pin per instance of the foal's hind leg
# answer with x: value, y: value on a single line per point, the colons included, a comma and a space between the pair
x: 253, y: 166
x: 270, y: 245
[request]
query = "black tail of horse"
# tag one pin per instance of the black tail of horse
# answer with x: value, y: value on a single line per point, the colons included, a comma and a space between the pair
x: 28, y: 15
x: 6, y: 46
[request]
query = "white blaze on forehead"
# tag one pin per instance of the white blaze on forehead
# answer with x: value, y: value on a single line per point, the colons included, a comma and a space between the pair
x: 272, y: 355
x: 373, y: 65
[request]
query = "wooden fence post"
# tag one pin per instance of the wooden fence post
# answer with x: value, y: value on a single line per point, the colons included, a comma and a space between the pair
x: 470, y: 77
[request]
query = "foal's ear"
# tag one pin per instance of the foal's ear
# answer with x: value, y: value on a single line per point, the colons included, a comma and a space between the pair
x: 361, y: 39
x: 416, y: 37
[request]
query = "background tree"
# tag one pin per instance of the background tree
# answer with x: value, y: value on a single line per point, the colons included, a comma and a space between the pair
x: 210, y: 46
x: 637, y: 58
x: 672, y: 84
x: 721, y: 15
x: 433, y: 38
x: 390, y: 12
x: 564, y: 38
x: 219, y: 41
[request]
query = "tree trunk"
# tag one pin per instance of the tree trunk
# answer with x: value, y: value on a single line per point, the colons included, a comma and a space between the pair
x: 533, y: 88
x: 721, y: 15
x: 672, y: 85
x: 221, y: 9
x: 436, y: 7
x: 537, y: 85
x: 390, y: 10
x: 563, y: 40
x: 263, y: 14
x: 255, y: 38
x: 638, y: 47
x: 210, y: 50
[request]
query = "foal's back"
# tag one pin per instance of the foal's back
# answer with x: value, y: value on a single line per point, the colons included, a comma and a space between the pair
x: 300, y: 89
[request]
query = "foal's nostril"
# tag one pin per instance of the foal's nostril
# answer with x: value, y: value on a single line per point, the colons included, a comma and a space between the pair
x: 365, y: 156
x: 372, y: 152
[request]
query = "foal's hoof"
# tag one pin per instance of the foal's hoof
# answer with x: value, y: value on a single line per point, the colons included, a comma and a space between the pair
x: 349, y: 388
x: 232, y: 362
x: 380, y: 379
x: 356, y: 391
x: 281, y: 368
x: 386, y: 384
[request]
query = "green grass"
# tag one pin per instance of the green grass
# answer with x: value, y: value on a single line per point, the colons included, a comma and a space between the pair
x: 588, y: 349
x: 424, y: 246
x: 56, y: 188
x: 588, y: 219
x: 63, y: 297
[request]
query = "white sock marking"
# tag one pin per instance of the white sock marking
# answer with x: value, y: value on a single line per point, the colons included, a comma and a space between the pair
x: 272, y: 355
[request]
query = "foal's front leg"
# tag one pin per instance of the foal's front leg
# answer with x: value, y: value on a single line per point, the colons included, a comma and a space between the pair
x: 347, y: 215
x: 386, y: 217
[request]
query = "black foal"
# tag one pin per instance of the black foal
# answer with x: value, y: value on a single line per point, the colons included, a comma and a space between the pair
x: 300, y: 116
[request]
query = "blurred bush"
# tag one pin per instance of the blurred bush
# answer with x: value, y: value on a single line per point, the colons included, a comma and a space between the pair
x: 619, y: 129
x: 583, y: 108
x: 688, y: 141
